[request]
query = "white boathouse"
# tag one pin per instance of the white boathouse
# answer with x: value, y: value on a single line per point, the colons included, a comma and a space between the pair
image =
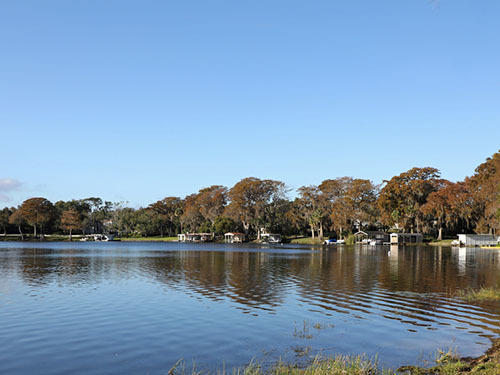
x: 477, y: 239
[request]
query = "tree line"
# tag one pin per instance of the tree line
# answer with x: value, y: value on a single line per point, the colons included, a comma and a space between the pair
x: 417, y: 200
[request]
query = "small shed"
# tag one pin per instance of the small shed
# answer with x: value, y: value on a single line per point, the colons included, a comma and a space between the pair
x: 371, y: 237
x: 477, y: 239
x: 232, y: 237
x: 405, y: 238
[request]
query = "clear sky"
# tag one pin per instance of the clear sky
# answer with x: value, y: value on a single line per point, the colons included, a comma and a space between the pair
x: 138, y: 100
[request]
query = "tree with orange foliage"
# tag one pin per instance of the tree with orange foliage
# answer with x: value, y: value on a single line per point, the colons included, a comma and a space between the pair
x: 211, y: 202
x: 402, y: 197
x: 71, y: 220
x: 450, y: 206
x: 37, y: 212
x: 253, y: 200
x: 313, y: 206
x: 484, y: 186
x: 17, y: 219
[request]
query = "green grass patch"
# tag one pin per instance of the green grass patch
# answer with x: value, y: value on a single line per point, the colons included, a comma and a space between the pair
x: 441, y: 243
x: 306, y: 241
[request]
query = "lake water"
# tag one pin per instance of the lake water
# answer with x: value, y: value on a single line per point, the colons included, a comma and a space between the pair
x: 119, y: 308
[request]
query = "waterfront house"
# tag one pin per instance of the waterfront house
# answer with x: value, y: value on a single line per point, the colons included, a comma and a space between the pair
x: 232, y: 237
x: 371, y: 237
x: 405, y: 238
x: 477, y: 240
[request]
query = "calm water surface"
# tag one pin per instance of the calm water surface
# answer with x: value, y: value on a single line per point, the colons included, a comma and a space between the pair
x: 119, y: 308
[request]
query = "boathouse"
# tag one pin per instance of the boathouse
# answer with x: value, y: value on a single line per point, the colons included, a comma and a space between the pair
x: 195, y: 237
x: 270, y: 238
x: 477, y: 239
x: 232, y: 237
x: 405, y: 238
x: 372, y: 237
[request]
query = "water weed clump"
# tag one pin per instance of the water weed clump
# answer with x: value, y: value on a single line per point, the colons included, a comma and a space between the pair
x: 304, y: 332
x: 483, y: 294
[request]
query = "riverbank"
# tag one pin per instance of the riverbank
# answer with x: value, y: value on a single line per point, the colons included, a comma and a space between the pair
x: 450, y: 364
x: 441, y: 243
x: 304, y: 240
x: 446, y: 363
x: 46, y: 237
x: 146, y: 239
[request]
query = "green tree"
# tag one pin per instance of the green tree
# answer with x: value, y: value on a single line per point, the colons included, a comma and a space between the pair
x: 224, y: 224
x: 166, y: 214
x: 97, y: 212
x: 4, y: 219
x: 125, y: 220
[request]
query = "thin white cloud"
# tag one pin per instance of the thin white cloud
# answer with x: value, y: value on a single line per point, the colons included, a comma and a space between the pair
x: 5, y: 198
x: 9, y: 184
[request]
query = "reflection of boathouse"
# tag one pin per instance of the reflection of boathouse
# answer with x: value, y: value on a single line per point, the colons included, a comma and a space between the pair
x: 371, y: 237
x: 405, y: 238
x: 195, y: 237
x: 231, y: 237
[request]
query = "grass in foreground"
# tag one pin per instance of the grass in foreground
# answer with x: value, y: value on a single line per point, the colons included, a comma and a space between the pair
x: 338, y: 365
x: 446, y: 363
x: 449, y: 364
x: 483, y: 294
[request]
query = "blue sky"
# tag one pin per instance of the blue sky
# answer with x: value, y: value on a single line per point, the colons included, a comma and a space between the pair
x: 137, y: 100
